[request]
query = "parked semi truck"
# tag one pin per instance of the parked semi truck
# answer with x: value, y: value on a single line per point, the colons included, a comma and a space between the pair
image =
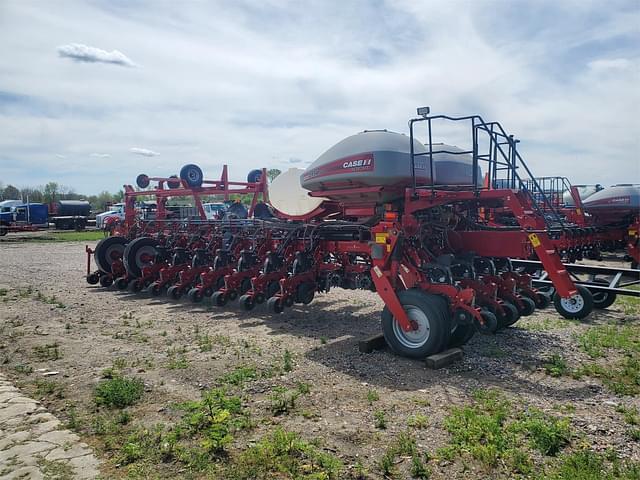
x: 64, y: 214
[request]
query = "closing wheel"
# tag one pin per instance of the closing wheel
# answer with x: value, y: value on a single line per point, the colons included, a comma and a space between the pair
x: 305, y: 293
x: 107, y: 251
x: 219, y: 299
x: 192, y: 174
x: 135, y: 285
x: 195, y: 295
x: 429, y: 320
x: 542, y: 300
x: 464, y: 329
x: 247, y: 302
x: 576, y: 307
x: 106, y: 280
x: 511, y: 314
x: 528, y: 306
x: 174, y: 292
x: 154, y: 289
x: 603, y: 299
x: 490, y: 323
x: 93, y: 279
x: 274, y: 304
x: 121, y: 283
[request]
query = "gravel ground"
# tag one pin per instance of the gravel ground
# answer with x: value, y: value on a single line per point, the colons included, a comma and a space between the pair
x: 47, y: 302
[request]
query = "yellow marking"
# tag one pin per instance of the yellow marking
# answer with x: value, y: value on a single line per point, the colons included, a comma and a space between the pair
x: 377, y: 271
x: 382, y: 237
x: 535, y: 241
x: 632, y: 233
x: 578, y: 211
x: 388, y: 248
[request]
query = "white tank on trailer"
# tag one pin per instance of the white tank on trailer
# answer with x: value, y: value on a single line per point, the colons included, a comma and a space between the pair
x: 585, y: 191
x: 379, y: 158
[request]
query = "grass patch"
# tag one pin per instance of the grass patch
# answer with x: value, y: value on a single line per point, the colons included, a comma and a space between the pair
x: 379, y: 419
x: 83, y: 236
x: 119, y: 392
x: 56, y: 469
x: 596, y: 340
x: 372, y: 396
x: 404, y: 445
x: 283, y: 454
x: 418, y: 421
x: 546, y: 324
x: 47, y: 352
x: 556, y: 365
x: 490, y: 434
x: 239, y: 376
x: 48, y: 388
x: 622, y: 377
x: 589, y: 465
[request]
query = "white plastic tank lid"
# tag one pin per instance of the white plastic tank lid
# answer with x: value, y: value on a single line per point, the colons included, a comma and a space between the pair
x: 287, y: 195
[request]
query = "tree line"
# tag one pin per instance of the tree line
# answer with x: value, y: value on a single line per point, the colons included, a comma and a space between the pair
x: 53, y: 191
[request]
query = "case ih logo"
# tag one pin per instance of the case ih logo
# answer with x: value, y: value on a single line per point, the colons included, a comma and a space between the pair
x: 363, y: 162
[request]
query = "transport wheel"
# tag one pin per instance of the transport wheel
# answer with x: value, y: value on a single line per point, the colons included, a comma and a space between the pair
x: 195, y: 295
x: 142, y: 180
x: 93, y: 279
x: 254, y: 176
x: 154, y: 289
x: 135, y: 285
x: 121, y: 283
x: 107, y: 250
x: 576, y: 307
x: 528, y: 306
x: 603, y: 300
x: 174, y: 292
x: 490, y: 323
x: 430, y: 320
x: 192, y: 174
x: 139, y: 253
x: 274, y: 304
x: 247, y: 302
x: 512, y: 315
x: 219, y: 299
x: 106, y: 280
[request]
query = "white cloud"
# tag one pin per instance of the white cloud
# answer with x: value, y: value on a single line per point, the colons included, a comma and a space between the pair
x: 295, y: 160
x: 99, y: 155
x: 84, y: 53
x: 58, y: 155
x: 144, y: 152
x: 610, y: 64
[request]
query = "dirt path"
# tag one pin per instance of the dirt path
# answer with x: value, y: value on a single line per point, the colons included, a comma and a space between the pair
x: 51, y: 319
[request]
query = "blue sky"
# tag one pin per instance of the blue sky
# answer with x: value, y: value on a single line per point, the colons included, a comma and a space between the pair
x: 275, y: 83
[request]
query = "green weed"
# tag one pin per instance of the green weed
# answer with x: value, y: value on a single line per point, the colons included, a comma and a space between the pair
x: 556, y: 365
x: 118, y: 392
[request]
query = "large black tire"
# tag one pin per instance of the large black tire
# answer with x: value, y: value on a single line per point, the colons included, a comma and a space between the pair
x: 254, y: 176
x: 511, y: 316
x: 107, y: 250
x: 192, y: 174
x: 237, y: 210
x: 577, y: 307
x: 603, y: 300
x: 174, y: 183
x: 132, y: 255
x: 142, y: 180
x: 433, y: 325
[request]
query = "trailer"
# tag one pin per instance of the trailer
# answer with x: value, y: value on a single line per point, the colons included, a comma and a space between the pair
x: 434, y: 229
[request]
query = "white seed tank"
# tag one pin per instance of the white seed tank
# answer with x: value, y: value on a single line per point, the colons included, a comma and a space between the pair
x: 379, y: 158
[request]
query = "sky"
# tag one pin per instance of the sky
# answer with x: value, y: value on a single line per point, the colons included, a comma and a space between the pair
x: 94, y: 92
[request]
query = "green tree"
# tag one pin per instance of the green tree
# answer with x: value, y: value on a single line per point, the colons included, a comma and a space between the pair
x: 273, y: 173
x: 50, y: 192
x: 11, y: 193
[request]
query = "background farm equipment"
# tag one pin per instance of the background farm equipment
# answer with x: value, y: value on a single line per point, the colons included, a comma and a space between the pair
x: 417, y: 223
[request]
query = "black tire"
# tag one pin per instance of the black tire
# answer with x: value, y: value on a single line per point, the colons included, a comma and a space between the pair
x: 132, y: 255
x: 426, y: 310
x: 3, y: 230
x: 106, y: 281
x: 219, y: 299
x: 512, y: 315
x: 93, y: 279
x: 154, y: 289
x: 173, y: 184
x: 135, y: 285
x: 121, y: 283
x: 490, y: 323
x: 142, y: 180
x: 245, y: 285
x: 272, y: 288
x: 247, y: 302
x: 602, y: 300
x: 195, y: 295
x: 461, y: 335
x: 107, y: 250
x: 192, y: 175
x: 174, y: 292
x: 254, y: 176
x: 528, y: 306
x: 305, y: 293
x: 275, y: 305
x: 543, y: 300
x: 577, y: 307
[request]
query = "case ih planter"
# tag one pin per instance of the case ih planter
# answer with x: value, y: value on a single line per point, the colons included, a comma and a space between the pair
x: 450, y: 251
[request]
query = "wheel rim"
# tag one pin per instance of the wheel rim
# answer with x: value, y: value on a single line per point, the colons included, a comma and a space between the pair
x: 114, y: 252
x: 145, y: 252
x: 600, y: 297
x: 573, y: 304
x: 417, y: 337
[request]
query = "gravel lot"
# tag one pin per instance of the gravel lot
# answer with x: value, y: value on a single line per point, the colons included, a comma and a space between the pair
x: 178, y: 350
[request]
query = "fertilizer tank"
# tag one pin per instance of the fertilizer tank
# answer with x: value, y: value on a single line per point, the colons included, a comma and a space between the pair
x: 72, y: 208
x: 585, y: 191
x: 379, y: 158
